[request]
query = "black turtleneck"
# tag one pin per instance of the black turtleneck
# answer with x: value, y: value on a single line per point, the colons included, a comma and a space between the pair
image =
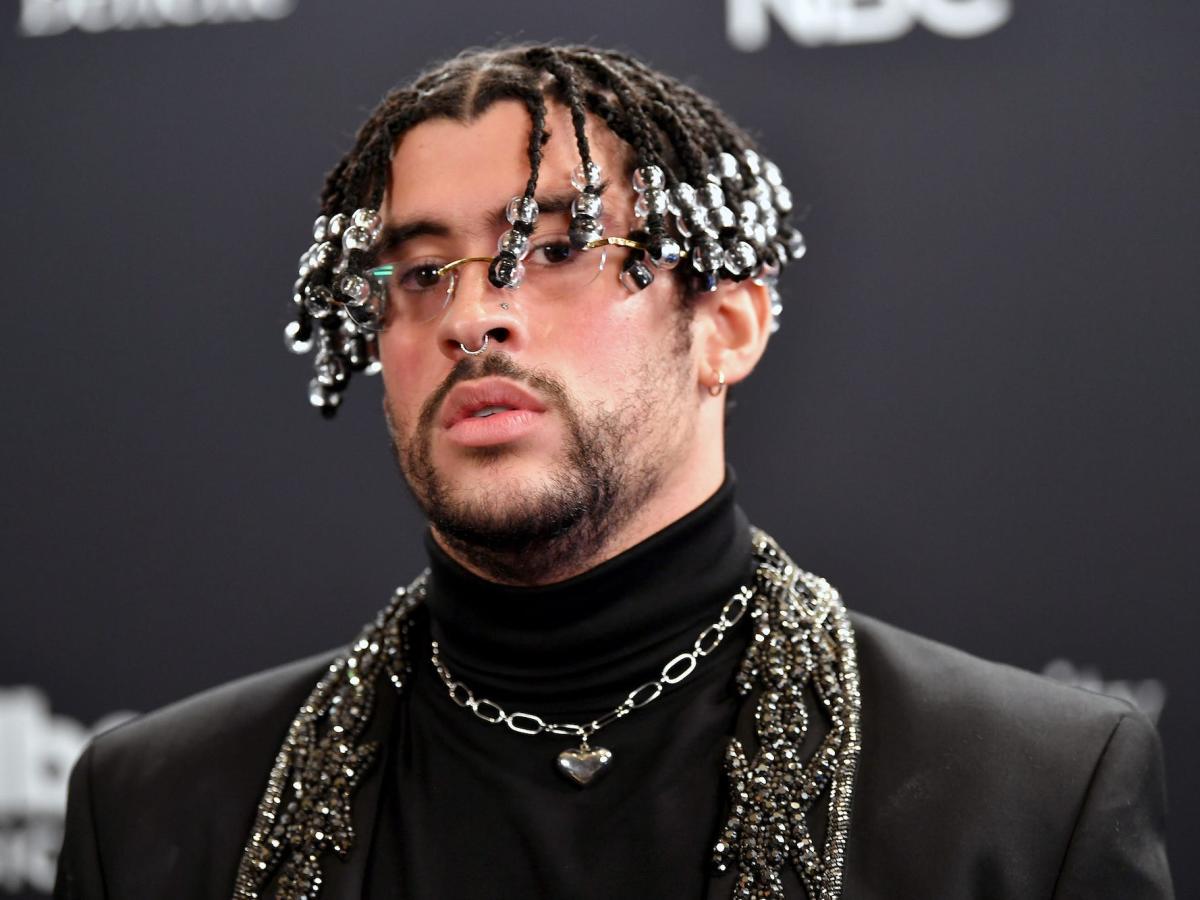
x: 474, y: 810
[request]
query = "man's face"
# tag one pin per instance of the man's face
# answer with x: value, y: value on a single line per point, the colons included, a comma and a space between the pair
x: 589, y: 399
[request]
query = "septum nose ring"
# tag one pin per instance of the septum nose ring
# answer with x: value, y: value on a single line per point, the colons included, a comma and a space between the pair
x: 476, y: 351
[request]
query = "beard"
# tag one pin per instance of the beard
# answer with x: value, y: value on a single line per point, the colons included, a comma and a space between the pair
x: 523, y: 534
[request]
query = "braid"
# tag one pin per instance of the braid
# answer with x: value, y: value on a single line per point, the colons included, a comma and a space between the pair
x: 535, y: 102
x: 680, y: 133
x: 564, y: 74
x: 346, y: 183
x: 645, y: 141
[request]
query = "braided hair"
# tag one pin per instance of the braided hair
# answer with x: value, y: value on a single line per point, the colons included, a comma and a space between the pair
x: 705, y: 196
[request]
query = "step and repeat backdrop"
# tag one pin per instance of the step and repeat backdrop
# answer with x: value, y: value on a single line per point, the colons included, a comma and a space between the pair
x: 979, y: 418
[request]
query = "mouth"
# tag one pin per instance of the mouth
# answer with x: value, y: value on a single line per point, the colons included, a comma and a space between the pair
x: 489, y: 411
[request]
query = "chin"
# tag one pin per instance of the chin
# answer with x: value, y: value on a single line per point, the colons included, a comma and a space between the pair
x: 521, y: 466
x: 494, y: 482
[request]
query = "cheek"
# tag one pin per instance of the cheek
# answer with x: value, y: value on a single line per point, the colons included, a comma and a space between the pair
x: 408, y: 374
x: 617, y: 345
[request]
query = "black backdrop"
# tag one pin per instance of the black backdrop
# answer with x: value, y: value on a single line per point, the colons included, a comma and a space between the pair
x: 979, y: 419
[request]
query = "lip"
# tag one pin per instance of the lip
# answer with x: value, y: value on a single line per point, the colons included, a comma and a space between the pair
x: 465, y: 399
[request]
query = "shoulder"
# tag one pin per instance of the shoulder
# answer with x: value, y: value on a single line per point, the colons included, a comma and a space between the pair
x: 229, y: 720
x: 1017, y: 771
x: 988, y: 720
x: 162, y: 804
x: 933, y: 680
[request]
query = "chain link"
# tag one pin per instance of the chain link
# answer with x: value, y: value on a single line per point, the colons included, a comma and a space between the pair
x: 675, y: 671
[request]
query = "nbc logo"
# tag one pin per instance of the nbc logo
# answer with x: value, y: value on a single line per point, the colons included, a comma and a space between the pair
x: 40, y: 18
x: 815, y: 22
x: 37, y: 750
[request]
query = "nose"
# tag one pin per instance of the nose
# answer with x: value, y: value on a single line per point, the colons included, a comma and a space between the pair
x: 478, y: 308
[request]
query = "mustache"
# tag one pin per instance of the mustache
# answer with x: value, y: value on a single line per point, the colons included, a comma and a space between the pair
x: 502, y: 364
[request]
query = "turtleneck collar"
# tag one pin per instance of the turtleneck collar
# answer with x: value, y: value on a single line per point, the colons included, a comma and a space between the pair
x: 601, y: 630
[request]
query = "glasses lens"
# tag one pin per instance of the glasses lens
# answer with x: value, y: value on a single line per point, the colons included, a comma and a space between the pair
x: 416, y: 291
x: 556, y: 270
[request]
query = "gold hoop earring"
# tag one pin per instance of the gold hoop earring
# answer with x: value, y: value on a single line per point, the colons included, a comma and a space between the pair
x: 714, y: 390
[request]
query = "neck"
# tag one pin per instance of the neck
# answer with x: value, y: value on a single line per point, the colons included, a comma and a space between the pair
x: 591, y: 634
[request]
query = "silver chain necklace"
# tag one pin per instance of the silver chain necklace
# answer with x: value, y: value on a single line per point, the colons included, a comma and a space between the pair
x: 583, y: 764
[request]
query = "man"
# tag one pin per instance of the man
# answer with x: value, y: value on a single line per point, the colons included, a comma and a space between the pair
x: 607, y: 684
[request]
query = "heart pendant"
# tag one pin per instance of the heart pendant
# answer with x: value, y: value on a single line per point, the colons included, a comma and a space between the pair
x: 584, y: 764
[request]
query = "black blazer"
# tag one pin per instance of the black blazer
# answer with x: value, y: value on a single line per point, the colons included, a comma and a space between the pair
x: 975, y: 781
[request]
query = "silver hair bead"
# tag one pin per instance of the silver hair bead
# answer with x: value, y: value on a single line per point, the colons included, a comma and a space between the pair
x: 323, y: 255
x: 587, y: 204
x: 513, y: 242
x: 320, y: 228
x: 762, y: 193
x: 585, y: 176
x: 366, y: 219
x: 740, y: 258
x: 355, y: 288
x: 665, y: 252
x: 707, y: 255
x: 364, y: 318
x: 354, y: 348
x: 710, y: 196
x: 330, y: 369
x: 355, y: 238
x: 693, y: 222
x: 521, y: 209
x: 585, y: 229
x: 318, y: 300
x: 725, y: 166
x: 721, y: 218
x: 653, y: 201
x: 770, y: 220
x: 684, y: 196
x: 753, y: 162
x: 321, y: 396
x: 506, y: 271
x: 772, y: 174
x: 646, y: 177
x: 337, y: 224
x: 783, y: 199
x: 636, y: 276
x: 297, y: 337
x: 758, y: 234
x: 795, y: 245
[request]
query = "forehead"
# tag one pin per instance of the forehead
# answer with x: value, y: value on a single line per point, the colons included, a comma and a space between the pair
x: 455, y: 171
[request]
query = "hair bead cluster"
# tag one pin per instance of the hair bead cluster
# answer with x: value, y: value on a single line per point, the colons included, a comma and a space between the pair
x: 708, y: 207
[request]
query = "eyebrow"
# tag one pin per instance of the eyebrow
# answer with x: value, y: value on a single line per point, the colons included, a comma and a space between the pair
x: 396, y: 235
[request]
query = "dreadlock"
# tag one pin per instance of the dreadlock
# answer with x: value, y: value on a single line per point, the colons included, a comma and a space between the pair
x: 692, y: 168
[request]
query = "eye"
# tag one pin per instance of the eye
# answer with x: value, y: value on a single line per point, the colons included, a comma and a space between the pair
x: 552, y: 251
x: 421, y: 277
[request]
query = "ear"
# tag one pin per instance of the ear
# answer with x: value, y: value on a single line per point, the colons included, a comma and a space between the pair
x: 732, y: 326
